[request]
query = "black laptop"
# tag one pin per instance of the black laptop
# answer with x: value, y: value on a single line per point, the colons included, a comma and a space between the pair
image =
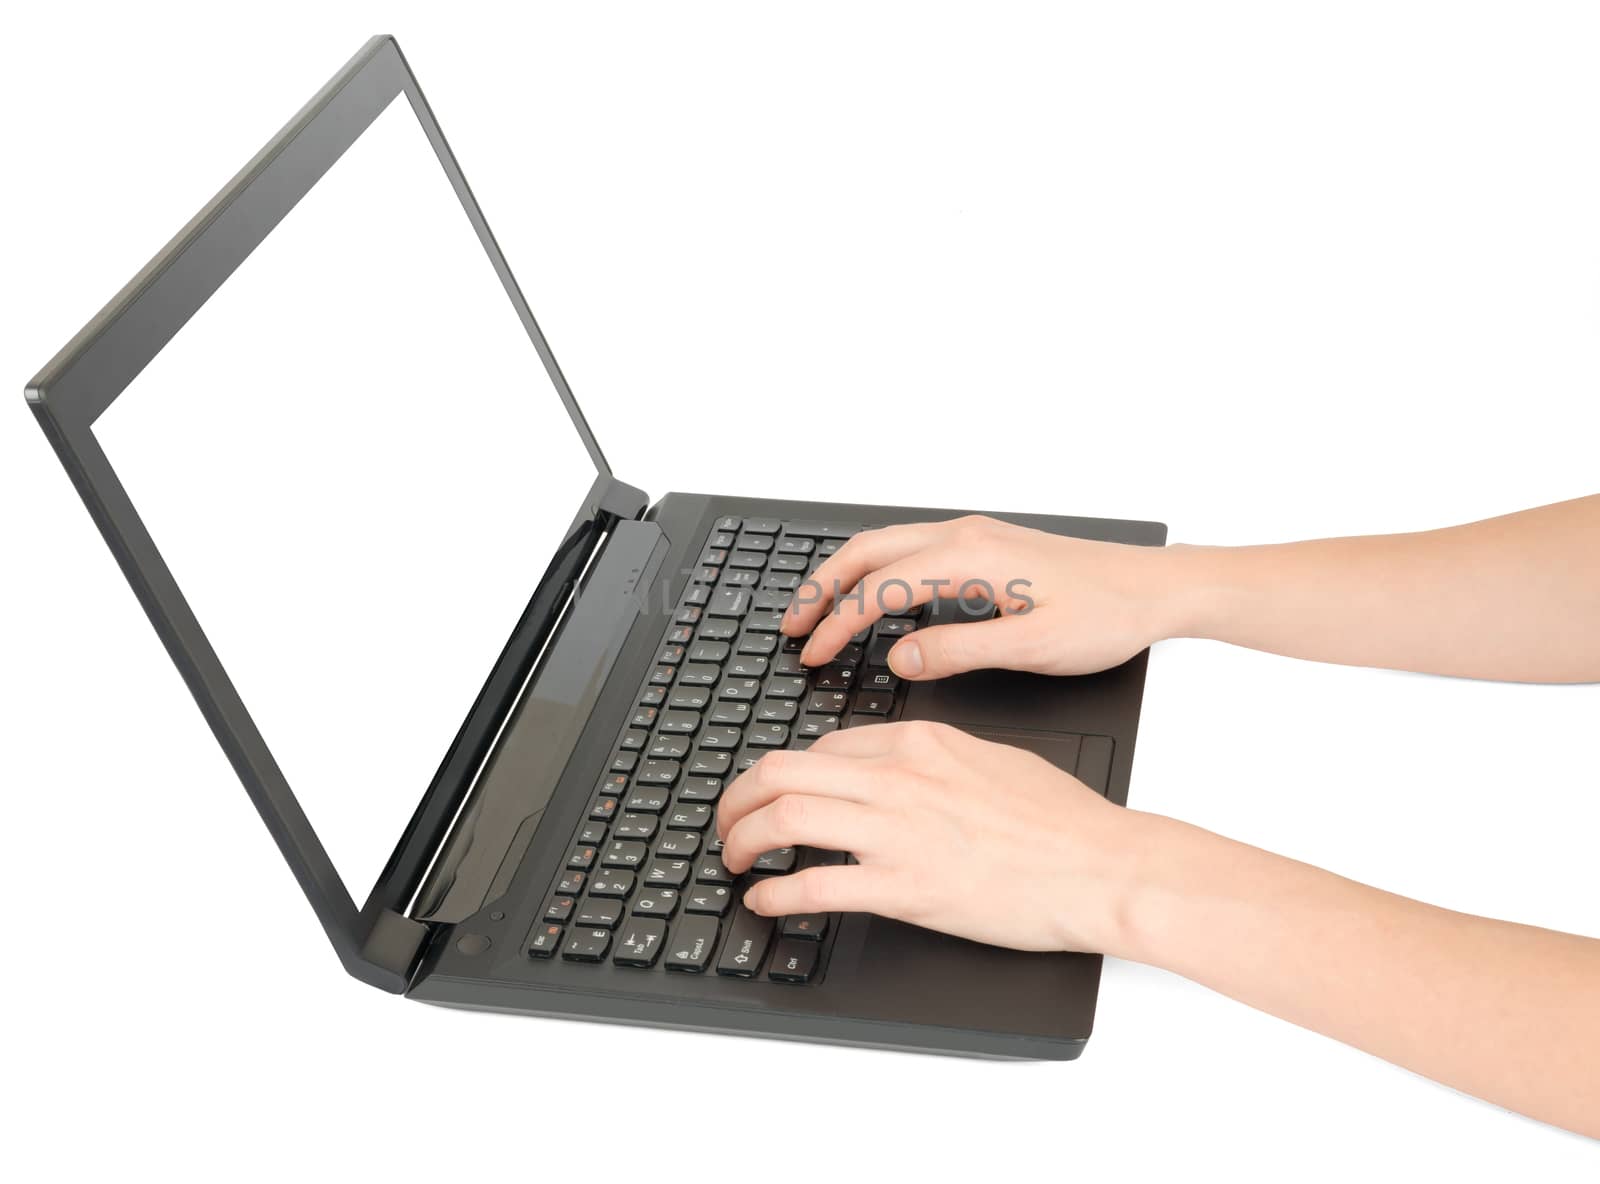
x: 453, y: 657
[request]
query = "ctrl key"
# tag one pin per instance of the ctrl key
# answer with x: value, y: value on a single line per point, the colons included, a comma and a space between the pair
x: 544, y: 940
x: 587, y: 945
x: 689, y: 951
x: 794, y: 961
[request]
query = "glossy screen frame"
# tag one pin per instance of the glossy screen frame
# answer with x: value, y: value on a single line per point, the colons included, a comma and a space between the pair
x: 375, y: 942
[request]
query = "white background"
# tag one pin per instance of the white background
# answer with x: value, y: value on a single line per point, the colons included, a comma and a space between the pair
x: 1258, y: 272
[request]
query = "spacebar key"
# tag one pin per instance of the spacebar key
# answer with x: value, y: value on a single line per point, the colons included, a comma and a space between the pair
x: 746, y: 945
x: 819, y: 530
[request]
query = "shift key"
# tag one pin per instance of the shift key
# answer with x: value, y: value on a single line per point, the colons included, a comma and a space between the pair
x: 746, y: 944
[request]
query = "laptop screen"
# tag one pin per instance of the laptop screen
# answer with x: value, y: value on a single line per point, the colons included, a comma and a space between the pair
x: 355, y: 543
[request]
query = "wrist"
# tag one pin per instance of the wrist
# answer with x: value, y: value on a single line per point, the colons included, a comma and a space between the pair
x: 1194, y: 591
x: 1164, y: 865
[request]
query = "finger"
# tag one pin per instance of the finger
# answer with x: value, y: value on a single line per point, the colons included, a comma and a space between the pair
x: 867, y: 551
x: 786, y: 771
x: 798, y: 819
x: 842, y: 888
x: 922, y: 575
x: 1010, y: 643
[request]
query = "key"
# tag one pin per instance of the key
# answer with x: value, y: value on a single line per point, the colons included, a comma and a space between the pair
x: 715, y: 631
x: 742, y: 689
x: 656, y: 902
x: 680, y: 723
x: 700, y: 789
x: 640, y: 944
x: 819, y: 530
x: 543, y: 941
x: 878, y: 651
x: 759, y: 644
x: 771, y: 600
x: 777, y: 711
x: 687, y: 615
x: 828, y: 702
x: 689, y: 698
x: 793, y: 961
x: 646, y: 801
x: 593, y: 833
x: 730, y: 712
x: 689, y: 816
x: 720, y: 738
x: 762, y: 525
x: 850, y: 656
x: 778, y: 860
x: 786, y: 687
x: 587, y: 945
x: 748, y: 935
x: 705, y: 575
x: 667, y: 873
x: 581, y: 859
x: 880, y: 680
x: 749, y: 560
x: 729, y: 602
x: 763, y: 622
x: 617, y: 884
x: 679, y: 844
x: 714, y: 556
x: 737, y: 577
x: 790, y: 563
x: 693, y: 939
x: 872, y: 703
x: 657, y: 773
x: 818, y: 725
x: 894, y: 627
x: 710, y: 899
x: 610, y: 787
x: 643, y: 718
x: 695, y: 596
x: 781, y: 581
x: 753, y: 542
x: 769, y: 736
x: 670, y: 655
x: 729, y: 523
x: 711, y: 871
x: 722, y: 539
x: 709, y: 651
x: 599, y: 914
x: 625, y: 853
x: 793, y: 645
x: 835, y: 678
x: 652, y: 696
x: 747, y: 758
x: 669, y: 748
x: 624, y: 762
x: 559, y: 908
x: 747, y: 667
x: 636, y: 826
x: 788, y: 664
x: 710, y: 764
x: 662, y: 676
x: 806, y: 926
x: 796, y: 546
x: 699, y: 676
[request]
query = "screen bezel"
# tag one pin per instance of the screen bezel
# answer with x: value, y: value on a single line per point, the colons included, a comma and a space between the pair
x: 374, y: 941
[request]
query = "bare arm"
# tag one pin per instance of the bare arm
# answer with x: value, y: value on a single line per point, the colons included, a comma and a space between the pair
x: 1514, y: 598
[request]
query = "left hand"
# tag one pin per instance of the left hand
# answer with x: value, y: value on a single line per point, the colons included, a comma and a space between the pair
x: 977, y: 839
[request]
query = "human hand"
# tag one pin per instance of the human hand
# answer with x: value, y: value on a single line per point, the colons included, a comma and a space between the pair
x: 950, y: 832
x: 1068, y: 606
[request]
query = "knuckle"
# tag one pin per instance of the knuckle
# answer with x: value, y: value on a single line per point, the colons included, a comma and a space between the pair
x: 790, y: 812
x: 770, y: 768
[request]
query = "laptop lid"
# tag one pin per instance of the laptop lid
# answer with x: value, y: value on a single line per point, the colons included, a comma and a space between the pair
x: 325, y: 411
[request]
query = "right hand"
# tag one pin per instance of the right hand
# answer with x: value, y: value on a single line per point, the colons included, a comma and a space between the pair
x: 1068, y: 606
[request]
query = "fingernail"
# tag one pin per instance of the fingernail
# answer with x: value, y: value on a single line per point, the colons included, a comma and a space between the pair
x: 905, y: 659
x: 805, y: 653
x: 750, y: 900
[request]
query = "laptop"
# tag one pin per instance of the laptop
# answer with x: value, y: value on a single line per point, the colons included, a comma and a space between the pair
x: 483, y: 692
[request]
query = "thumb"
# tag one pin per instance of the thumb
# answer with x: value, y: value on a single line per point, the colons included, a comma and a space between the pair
x: 1005, y: 642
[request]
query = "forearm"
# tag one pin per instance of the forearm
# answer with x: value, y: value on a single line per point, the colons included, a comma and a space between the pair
x: 1507, y: 1012
x: 1514, y: 598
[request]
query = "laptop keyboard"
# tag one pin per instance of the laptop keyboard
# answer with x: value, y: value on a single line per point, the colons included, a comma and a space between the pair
x: 643, y: 885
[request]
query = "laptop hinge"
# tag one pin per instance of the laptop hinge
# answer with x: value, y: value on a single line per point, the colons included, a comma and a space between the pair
x: 393, y: 946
